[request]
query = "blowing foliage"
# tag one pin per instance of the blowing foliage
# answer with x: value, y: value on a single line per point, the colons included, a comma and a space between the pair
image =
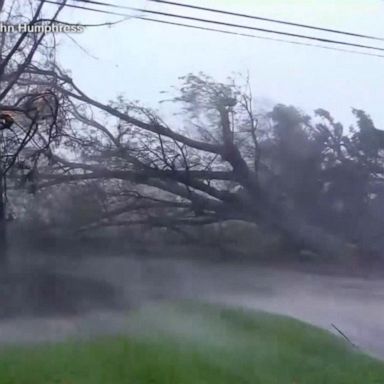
x: 307, y: 179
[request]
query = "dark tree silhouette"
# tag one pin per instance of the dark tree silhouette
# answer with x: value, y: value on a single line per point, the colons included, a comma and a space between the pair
x: 304, y: 178
x: 29, y: 113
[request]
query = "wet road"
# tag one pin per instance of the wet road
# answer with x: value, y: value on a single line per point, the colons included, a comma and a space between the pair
x: 354, y: 305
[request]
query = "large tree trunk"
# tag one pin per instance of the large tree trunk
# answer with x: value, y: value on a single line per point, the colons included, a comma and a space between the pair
x: 304, y: 235
x: 318, y: 240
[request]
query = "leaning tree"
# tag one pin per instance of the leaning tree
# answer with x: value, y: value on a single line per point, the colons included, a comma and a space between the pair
x: 223, y: 161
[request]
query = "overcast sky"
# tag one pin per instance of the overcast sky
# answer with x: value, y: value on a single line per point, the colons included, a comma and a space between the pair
x: 140, y: 59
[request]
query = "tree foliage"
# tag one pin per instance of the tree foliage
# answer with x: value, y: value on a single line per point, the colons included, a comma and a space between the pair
x: 307, y: 178
x: 31, y: 115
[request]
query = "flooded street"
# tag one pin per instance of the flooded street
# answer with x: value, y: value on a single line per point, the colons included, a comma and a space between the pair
x: 354, y: 305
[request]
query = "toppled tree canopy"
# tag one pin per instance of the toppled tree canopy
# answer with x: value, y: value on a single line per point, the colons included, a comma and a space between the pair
x: 306, y: 178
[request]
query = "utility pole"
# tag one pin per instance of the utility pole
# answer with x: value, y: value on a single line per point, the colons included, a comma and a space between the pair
x: 3, y: 222
x: 3, y: 208
x: 3, y: 213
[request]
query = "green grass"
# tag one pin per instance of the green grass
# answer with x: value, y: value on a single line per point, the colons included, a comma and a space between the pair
x: 196, y: 344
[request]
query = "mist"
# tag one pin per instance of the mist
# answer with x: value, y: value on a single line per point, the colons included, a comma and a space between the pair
x: 191, y: 194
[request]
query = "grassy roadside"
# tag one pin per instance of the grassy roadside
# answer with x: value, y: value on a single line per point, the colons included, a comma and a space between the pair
x: 196, y: 344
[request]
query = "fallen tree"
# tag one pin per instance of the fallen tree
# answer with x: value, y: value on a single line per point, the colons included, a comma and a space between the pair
x: 223, y: 162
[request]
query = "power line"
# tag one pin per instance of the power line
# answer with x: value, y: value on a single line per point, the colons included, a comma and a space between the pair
x: 257, y: 37
x: 220, y: 30
x: 222, y: 23
x: 244, y: 15
x: 254, y: 17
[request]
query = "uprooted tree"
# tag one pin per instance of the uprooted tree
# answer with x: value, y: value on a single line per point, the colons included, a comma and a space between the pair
x: 306, y: 179
x: 317, y: 184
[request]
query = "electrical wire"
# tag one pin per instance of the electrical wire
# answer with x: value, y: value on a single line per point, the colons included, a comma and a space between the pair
x: 222, y: 23
x: 237, y: 14
x: 218, y: 30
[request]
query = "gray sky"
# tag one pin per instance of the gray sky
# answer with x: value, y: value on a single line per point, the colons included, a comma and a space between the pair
x: 140, y: 59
